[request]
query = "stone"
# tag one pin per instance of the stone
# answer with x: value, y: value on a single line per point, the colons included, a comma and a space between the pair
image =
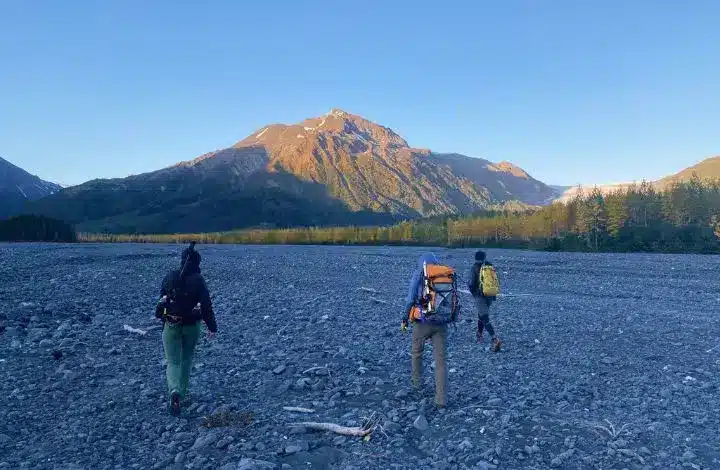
x: 421, y: 423
x: 252, y: 464
x: 279, y: 370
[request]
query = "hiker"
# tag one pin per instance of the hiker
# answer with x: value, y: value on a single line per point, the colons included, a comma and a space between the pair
x: 484, y: 294
x: 431, y: 304
x: 182, y: 290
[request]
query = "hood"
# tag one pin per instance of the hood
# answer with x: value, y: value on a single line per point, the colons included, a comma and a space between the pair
x: 429, y: 258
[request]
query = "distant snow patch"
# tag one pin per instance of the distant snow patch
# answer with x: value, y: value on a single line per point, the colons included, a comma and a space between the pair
x: 501, y: 183
x: 21, y: 191
x: 309, y: 128
x: 261, y: 133
x: 300, y: 136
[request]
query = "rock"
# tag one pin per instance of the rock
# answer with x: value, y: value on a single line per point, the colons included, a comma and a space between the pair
x: 224, y: 442
x: 494, y: 402
x: 4, y: 440
x: 403, y: 393
x: 391, y: 427
x: 465, y: 445
x: 252, y: 464
x: 303, y: 383
x: 688, y: 456
x: 560, y: 459
x: 421, y: 423
x: 204, y: 441
x: 297, y: 448
x: 279, y: 370
x: 180, y: 458
x: 36, y: 334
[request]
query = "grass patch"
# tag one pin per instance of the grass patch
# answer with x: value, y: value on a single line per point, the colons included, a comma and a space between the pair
x: 226, y: 419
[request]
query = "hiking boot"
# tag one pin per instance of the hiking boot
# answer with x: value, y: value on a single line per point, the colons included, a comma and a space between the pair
x: 496, y: 344
x: 175, y: 404
x: 416, y: 384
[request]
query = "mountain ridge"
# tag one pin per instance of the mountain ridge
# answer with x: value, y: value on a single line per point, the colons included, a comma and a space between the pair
x: 707, y: 169
x: 17, y: 186
x: 340, y: 161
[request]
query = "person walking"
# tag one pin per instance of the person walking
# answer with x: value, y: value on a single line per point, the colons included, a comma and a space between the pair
x: 185, y: 302
x: 481, y: 299
x: 431, y: 304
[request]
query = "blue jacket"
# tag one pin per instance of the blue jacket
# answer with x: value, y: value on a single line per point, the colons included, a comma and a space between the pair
x: 415, y: 287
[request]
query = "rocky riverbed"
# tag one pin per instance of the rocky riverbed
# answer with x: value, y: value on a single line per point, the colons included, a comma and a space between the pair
x: 609, y: 361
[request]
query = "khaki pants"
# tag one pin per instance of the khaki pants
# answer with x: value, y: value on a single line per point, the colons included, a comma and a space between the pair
x: 438, y: 335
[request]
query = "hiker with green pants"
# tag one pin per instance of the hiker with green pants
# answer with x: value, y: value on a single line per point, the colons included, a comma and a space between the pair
x: 182, y: 290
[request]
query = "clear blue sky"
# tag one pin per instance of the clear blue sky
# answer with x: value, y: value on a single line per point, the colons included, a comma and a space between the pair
x: 574, y: 91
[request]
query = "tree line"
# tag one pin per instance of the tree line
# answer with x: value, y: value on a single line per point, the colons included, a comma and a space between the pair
x: 682, y: 217
x: 32, y: 228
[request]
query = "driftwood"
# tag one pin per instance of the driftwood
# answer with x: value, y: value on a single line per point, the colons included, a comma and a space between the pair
x: 134, y: 330
x: 297, y: 409
x: 368, y: 289
x: 337, y: 429
x: 313, y: 369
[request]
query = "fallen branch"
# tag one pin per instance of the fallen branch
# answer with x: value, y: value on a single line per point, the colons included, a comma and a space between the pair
x: 297, y: 409
x: 134, y: 330
x: 311, y: 301
x: 335, y: 428
x: 313, y: 369
x: 367, y: 289
x: 379, y: 301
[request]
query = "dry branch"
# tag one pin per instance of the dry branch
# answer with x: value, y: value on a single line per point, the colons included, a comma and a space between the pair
x: 368, y: 289
x: 313, y: 369
x: 134, y: 330
x: 335, y: 428
x: 297, y: 409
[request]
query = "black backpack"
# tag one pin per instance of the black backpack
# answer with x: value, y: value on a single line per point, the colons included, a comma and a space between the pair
x: 177, y: 304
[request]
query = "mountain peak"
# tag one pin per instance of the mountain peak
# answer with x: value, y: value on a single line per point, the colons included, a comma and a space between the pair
x: 511, y: 168
x: 337, y: 123
x: 338, y: 113
x: 18, y: 186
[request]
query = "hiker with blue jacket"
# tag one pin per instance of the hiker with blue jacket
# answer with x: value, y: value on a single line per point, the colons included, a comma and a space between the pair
x: 430, y: 326
x: 482, y: 302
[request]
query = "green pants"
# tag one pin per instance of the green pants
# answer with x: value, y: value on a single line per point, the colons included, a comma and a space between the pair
x: 179, y: 342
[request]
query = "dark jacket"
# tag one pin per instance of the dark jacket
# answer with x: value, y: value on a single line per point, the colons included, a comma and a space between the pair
x: 197, y: 293
x: 415, y: 287
x: 474, y: 281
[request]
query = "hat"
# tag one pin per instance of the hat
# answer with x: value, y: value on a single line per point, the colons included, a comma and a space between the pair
x: 479, y: 255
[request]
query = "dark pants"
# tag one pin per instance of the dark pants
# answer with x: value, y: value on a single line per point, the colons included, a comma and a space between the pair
x: 438, y: 335
x: 483, y: 311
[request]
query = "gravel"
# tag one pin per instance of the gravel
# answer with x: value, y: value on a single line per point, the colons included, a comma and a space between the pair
x: 609, y: 361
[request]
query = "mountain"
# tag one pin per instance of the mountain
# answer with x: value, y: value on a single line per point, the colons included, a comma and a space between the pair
x: 708, y: 169
x: 333, y: 169
x: 572, y: 191
x: 17, y: 186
